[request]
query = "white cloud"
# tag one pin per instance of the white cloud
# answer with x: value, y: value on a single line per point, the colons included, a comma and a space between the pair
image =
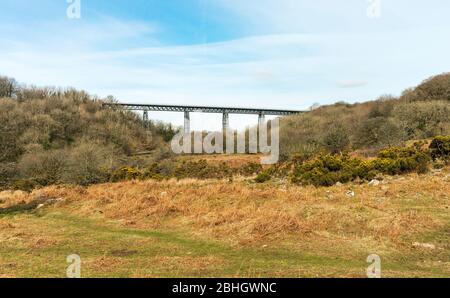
x: 335, y: 16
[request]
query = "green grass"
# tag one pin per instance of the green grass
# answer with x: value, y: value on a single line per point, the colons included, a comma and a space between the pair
x: 38, y: 243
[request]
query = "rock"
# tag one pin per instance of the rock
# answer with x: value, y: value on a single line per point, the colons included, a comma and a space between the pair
x: 446, y: 178
x: 40, y: 206
x: 350, y: 193
x: 424, y: 245
x: 339, y: 183
x: 54, y: 201
x: 374, y: 182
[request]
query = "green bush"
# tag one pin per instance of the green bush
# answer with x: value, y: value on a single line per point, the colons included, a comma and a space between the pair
x: 440, y: 147
x: 328, y: 169
x: 7, y: 174
x: 396, y: 161
x: 160, y: 170
x: 125, y: 173
x: 336, y: 139
x: 250, y: 169
x: 263, y: 177
x: 24, y: 185
x: 202, y: 170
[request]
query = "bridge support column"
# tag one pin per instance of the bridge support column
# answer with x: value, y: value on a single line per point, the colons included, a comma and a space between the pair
x: 225, y: 122
x: 187, y: 122
x: 261, y: 119
x: 225, y: 131
x: 145, y: 118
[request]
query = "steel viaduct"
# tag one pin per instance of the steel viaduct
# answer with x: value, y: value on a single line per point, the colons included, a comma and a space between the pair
x: 225, y: 111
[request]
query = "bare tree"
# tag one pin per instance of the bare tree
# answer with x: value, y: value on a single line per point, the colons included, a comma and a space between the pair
x: 8, y: 86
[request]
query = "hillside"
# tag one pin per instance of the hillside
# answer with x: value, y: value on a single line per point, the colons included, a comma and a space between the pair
x: 50, y: 136
x: 64, y: 136
x: 420, y: 113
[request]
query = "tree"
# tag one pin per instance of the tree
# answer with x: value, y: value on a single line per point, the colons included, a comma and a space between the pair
x: 378, y: 132
x: 44, y: 167
x: 434, y: 88
x: 423, y: 119
x: 337, y: 139
x: 8, y: 86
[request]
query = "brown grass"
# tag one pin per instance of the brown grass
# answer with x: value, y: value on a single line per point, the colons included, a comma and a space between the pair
x: 242, y: 213
x: 231, y: 160
x: 216, y: 228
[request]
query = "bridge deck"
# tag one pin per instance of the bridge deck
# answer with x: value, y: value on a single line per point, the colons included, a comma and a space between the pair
x: 202, y: 109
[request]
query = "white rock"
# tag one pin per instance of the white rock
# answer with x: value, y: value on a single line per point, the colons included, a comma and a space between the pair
x: 424, y: 245
x: 40, y: 206
x: 374, y: 182
x: 338, y: 183
x: 350, y: 194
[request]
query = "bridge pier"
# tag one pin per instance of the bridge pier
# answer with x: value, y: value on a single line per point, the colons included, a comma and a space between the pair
x: 261, y: 119
x: 225, y: 131
x: 204, y: 109
x: 225, y: 122
x: 145, y: 118
x: 187, y: 122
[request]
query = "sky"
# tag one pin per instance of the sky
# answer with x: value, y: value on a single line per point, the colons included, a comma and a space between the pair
x: 281, y: 54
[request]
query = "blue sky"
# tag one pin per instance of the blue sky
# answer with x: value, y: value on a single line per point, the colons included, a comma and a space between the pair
x: 255, y: 53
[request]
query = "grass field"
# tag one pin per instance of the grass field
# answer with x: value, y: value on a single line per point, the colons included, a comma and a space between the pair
x: 214, y: 228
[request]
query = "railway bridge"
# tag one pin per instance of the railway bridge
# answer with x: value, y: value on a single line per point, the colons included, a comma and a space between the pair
x: 225, y: 111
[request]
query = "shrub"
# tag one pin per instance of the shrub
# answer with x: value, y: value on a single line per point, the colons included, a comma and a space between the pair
x: 440, y: 147
x: 202, y: 170
x: 263, y: 177
x: 7, y: 173
x: 44, y: 167
x: 88, y: 164
x: 377, y: 132
x: 337, y: 139
x: 395, y: 161
x: 125, y: 173
x: 250, y: 169
x: 328, y: 169
x: 24, y: 185
x: 422, y: 119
